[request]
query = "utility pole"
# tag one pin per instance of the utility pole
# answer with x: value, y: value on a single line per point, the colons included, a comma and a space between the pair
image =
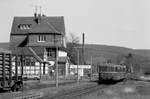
x: 22, y: 65
x: 83, y: 41
x: 91, y: 68
x: 56, y: 63
x: 40, y: 71
x: 78, y: 66
x: 56, y: 60
x: 78, y: 56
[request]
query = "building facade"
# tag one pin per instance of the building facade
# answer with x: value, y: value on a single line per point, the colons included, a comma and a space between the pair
x: 40, y: 39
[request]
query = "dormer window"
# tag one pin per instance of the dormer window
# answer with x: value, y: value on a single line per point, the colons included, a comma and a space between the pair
x: 24, y: 26
x: 41, y: 38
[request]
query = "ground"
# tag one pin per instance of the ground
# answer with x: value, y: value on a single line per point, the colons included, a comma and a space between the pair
x: 43, y: 89
x: 123, y: 90
x: 127, y: 90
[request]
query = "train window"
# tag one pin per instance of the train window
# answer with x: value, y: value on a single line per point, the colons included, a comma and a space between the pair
x: 124, y: 70
x: 102, y: 68
x: 111, y: 69
x: 115, y: 69
x: 105, y: 68
x: 120, y: 69
x: 108, y: 69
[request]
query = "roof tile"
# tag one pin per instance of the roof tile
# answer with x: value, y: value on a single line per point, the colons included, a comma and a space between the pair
x: 46, y: 25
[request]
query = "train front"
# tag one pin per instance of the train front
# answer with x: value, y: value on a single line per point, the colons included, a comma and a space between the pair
x: 109, y: 73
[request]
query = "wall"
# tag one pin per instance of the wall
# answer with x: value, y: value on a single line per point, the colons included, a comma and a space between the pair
x: 30, y: 70
x: 16, y: 40
x: 33, y: 39
x: 62, y: 54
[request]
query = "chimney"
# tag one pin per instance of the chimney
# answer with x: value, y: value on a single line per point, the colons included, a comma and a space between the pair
x: 35, y: 15
x: 37, y: 18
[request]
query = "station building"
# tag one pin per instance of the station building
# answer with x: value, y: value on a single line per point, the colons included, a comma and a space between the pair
x: 40, y: 39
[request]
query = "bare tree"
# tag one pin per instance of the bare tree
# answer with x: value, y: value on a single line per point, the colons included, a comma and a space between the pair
x: 72, y: 38
x: 72, y: 43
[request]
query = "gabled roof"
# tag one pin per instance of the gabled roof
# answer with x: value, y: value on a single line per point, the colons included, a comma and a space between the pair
x: 45, y: 25
x: 26, y: 51
x: 2, y: 50
x: 62, y: 59
x: 4, y: 45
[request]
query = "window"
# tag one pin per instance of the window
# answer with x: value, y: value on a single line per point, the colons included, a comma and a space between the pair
x: 50, y: 52
x: 24, y: 26
x: 41, y: 38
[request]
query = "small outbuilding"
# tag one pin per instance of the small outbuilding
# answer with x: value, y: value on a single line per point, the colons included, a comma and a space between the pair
x: 82, y: 69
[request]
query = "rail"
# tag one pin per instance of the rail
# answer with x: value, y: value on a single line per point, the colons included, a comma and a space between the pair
x: 74, y: 93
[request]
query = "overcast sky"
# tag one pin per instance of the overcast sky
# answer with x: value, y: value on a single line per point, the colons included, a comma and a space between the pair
x: 111, y: 22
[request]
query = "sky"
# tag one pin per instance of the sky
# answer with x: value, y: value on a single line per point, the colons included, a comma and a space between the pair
x: 123, y: 23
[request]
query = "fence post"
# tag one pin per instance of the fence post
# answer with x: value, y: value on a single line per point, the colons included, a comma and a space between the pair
x: 10, y: 70
x: 16, y: 68
x: 3, y: 71
x: 22, y: 63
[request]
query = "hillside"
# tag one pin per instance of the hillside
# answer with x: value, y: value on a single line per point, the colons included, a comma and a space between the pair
x: 104, y: 51
x: 101, y: 53
x: 143, y: 52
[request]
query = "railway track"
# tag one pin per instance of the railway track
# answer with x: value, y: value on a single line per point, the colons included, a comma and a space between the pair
x: 76, y: 93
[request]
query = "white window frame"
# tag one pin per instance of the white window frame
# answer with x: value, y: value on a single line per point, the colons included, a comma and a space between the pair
x: 24, y: 26
x: 41, y: 38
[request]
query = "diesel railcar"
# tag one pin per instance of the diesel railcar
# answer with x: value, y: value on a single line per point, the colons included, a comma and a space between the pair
x: 109, y: 73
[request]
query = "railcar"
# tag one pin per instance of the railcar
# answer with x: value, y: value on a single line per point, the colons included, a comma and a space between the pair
x: 7, y: 81
x: 110, y: 73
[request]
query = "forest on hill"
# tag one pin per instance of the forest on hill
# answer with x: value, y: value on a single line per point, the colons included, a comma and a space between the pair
x: 140, y: 59
x: 102, y: 53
